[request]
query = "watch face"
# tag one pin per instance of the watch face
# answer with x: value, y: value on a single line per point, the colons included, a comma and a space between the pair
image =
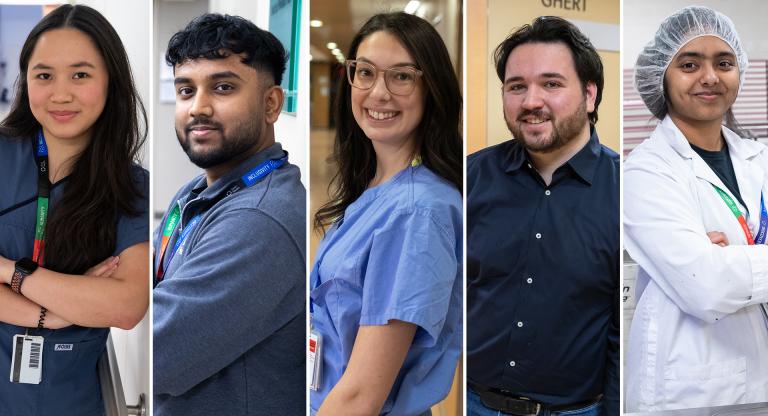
x: 26, y: 265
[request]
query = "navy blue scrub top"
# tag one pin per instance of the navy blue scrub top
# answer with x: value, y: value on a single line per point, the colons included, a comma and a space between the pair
x: 70, y: 383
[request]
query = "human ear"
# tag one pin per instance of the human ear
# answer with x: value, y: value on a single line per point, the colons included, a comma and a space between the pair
x: 273, y: 103
x: 591, y: 95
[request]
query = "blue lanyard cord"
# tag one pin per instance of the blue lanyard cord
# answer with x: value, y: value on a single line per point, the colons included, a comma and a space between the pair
x: 43, y: 184
x: 41, y: 157
x: 249, y: 179
x: 761, y: 236
x: 42, y: 149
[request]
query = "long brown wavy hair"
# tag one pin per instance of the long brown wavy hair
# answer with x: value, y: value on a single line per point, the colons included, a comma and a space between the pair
x: 439, y: 139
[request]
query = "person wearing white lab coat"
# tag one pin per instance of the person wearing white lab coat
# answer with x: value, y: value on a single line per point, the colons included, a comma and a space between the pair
x: 699, y: 336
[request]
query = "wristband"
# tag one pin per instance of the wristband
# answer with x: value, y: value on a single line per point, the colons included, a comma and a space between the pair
x: 23, y: 268
x: 40, y: 321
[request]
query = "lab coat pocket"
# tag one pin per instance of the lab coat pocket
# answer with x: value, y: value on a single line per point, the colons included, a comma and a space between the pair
x: 718, y: 384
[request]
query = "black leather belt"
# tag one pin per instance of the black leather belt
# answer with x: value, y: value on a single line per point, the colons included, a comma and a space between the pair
x: 512, y: 404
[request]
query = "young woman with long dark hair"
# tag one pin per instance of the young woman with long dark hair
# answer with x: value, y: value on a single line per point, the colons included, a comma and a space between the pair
x: 73, y: 214
x: 386, y: 284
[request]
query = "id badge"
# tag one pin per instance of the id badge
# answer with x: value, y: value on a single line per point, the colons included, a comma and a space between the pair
x: 315, y: 358
x: 27, y: 359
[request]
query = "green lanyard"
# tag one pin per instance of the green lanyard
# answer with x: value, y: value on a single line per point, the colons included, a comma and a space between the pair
x: 170, y: 227
x: 736, y: 213
x: 43, y: 192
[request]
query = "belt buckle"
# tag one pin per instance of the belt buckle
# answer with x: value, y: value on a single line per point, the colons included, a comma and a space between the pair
x: 537, y: 405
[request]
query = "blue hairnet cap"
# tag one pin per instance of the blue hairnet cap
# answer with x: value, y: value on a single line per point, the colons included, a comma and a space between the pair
x: 674, y: 33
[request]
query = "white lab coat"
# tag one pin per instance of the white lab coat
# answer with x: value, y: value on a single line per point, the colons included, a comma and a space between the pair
x: 699, y: 336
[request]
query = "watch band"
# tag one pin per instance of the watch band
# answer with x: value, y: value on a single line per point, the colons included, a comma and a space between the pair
x: 16, y: 280
x: 23, y: 268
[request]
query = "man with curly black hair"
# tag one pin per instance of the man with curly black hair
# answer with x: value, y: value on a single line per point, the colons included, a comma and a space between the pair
x: 229, y: 262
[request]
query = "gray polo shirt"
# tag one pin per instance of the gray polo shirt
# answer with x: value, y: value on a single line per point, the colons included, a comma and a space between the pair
x: 229, y: 326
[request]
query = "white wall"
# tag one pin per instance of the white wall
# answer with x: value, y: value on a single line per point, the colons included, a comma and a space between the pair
x: 642, y: 18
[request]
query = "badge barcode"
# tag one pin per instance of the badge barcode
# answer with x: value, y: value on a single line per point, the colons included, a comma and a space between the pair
x: 34, y: 355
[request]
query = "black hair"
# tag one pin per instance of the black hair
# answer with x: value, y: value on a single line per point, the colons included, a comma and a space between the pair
x: 82, y: 229
x: 438, y: 136
x: 216, y: 36
x: 553, y: 29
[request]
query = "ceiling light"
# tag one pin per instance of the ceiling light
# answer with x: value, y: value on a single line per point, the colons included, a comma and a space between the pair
x: 412, y: 6
x: 316, y: 23
x: 331, y: 45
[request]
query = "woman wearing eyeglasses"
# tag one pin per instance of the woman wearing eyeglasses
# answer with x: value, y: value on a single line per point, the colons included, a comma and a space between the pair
x: 386, y: 283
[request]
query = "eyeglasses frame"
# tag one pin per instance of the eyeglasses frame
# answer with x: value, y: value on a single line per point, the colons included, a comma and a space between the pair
x: 419, y: 73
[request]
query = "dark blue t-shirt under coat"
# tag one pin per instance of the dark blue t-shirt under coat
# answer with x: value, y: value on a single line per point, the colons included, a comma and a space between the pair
x: 720, y: 163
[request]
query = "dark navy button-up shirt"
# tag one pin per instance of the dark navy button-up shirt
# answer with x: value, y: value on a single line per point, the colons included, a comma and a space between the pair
x: 543, y: 275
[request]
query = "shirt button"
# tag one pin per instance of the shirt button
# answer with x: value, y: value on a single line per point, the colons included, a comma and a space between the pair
x: 547, y: 192
x: 519, y: 324
x: 538, y: 236
x: 529, y: 280
x: 511, y: 363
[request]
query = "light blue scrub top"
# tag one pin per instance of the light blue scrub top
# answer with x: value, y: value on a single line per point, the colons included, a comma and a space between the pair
x: 397, y: 254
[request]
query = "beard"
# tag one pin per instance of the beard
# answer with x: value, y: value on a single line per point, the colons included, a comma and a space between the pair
x: 241, y: 138
x: 563, y: 131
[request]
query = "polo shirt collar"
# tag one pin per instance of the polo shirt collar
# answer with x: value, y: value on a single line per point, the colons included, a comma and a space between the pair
x: 204, y: 192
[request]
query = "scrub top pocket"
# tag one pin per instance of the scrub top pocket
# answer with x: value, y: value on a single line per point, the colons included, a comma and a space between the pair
x: 341, y: 300
x: 70, y: 383
x: 70, y: 376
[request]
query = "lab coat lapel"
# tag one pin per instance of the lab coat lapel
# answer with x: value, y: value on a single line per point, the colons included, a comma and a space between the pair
x: 749, y: 173
x: 674, y: 137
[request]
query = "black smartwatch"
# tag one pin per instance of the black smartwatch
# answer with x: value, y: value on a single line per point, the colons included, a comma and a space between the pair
x: 24, y: 267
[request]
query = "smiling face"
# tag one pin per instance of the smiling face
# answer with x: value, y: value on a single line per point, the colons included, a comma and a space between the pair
x: 545, y: 104
x: 384, y: 117
x: 67, y: 82
x: 219, y: 109
x: 702, y: 81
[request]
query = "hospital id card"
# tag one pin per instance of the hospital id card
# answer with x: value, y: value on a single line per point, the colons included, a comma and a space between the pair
x: 27, y: 359
x: 315, y: 358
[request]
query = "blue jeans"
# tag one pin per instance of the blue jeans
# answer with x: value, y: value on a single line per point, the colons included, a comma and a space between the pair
x: 475, y: 407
